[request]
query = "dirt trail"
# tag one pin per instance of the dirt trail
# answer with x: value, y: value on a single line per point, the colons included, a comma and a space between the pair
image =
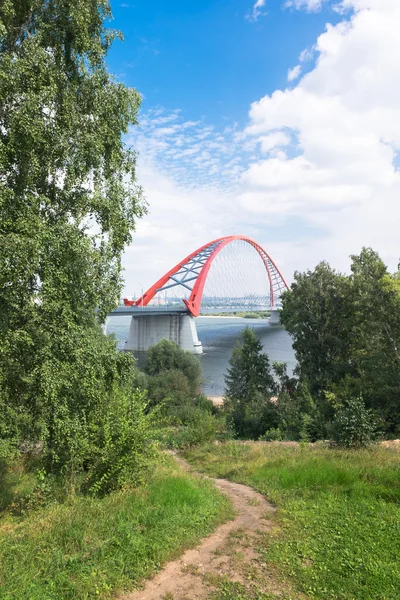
x: 227, y: 553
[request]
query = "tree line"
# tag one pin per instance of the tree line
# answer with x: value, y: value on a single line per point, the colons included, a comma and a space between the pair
x: 346, y: 337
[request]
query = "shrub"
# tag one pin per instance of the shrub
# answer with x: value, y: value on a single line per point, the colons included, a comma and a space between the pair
x: 171, y: 386
x: 123, y: 449
x: 204, y: 403
x: 250, y: 419
x: 272, y: 435
x: 200, y: 429
x: 354, y: 425
x: 167, y: 356
x: 249, y: 385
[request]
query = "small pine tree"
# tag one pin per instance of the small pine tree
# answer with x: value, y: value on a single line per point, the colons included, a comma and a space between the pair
x: 249, y: 370
x: 249, y: 385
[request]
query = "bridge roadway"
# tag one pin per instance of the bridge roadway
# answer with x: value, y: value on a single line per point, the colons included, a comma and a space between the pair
x: 150, y: 324
x: 123, y: 310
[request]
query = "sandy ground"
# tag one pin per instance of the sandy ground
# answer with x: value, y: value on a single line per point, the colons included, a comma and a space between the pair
x: 394, y: 444
x: 216, y: 400
x: 228, y: 553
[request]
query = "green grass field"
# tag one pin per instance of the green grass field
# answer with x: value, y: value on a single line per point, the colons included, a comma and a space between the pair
x: 89, y: 548
x: 338, y: 515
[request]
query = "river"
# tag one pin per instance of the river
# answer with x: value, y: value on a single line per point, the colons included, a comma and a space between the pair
x: 219, y: 335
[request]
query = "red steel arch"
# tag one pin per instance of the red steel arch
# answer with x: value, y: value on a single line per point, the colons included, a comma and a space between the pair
x: 196, y: 266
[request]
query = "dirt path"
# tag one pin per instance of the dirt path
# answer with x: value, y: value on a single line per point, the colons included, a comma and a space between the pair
x: 228, y: 554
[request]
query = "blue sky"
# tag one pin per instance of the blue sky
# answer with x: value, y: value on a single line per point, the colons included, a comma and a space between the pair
x: 278, y: 119
x: 205, y: 56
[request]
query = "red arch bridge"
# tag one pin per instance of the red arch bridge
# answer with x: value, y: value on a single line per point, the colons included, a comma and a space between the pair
x: 212, y: 279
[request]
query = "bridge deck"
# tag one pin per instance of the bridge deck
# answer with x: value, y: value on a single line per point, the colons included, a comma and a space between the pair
x: 173, y: 310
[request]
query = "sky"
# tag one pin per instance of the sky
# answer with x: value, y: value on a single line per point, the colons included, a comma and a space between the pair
x: 276, y: 119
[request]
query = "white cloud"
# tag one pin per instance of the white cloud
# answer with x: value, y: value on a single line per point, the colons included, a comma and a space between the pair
x: 294, y: 73
x: 346, y: 115
x: 310, y: 5
x: 322, y: 155
x: 306, y: 55
x: 273, y: 140
x: 257, y: 12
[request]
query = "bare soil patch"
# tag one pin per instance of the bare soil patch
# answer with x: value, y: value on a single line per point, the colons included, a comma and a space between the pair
x: 228, y: 554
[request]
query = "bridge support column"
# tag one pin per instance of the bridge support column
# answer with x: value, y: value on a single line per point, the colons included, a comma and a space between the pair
x: 275, y: 318
x: 104, y: 326
x: 147, y: 330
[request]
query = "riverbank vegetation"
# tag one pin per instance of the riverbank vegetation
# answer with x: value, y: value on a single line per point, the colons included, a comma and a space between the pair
x: 346, y: 386
x: 346, y: 336
x: 337, y: 523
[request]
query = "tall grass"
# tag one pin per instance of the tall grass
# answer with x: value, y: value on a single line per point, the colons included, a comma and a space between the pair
x: 339, y: 514
x: 90, y: 548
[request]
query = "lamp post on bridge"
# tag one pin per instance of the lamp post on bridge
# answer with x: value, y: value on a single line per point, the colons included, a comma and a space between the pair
x: 141, y: 297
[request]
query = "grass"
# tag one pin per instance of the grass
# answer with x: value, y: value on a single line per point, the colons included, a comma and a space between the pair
x: 339, y: 515
x: 89, y: 548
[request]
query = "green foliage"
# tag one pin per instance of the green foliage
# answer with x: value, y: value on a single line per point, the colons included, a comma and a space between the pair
x: 68, y: 206
x: 198, y: 427
x: 167, y: 356
x: 249, y: 385
x: 170, y: 387
x: 354, y: 425
x: 376, y: 337
x: 91, y: 415
x: 40, y: 495
x: 96, y: 548
x: 338, y: 514
x: 249, y: 371
x: 346, y: 333
x: 272, y: 435
x: 123, y: 449
x: 185, y: 417
x: 315, y: 313
x: 8, y: 452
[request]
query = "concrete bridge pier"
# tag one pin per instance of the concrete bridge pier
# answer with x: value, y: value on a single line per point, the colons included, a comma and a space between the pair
x: 104, y: 326
x: 275, y: 318
x: 147, y: 330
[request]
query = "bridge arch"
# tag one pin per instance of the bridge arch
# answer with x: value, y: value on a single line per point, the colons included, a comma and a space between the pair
x: 192, y: 272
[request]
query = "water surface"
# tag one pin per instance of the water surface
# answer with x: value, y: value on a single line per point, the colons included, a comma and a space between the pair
x: 219, y: 335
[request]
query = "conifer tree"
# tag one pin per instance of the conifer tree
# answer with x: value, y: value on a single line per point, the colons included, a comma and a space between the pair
x: 248, y: 388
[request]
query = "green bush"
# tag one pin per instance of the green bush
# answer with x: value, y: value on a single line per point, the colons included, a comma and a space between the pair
x: 39, y: 496
x: 123, y: 449
x: 204, y: 403
x: 249, y: 385
x: 167, y: 356
x: 76, y: 390
x: 8, y: 452
x: 272, y: 435
x: 202, y: 427
x: 354, y: 425
x: 171, y: 387
x: 250, y: 419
